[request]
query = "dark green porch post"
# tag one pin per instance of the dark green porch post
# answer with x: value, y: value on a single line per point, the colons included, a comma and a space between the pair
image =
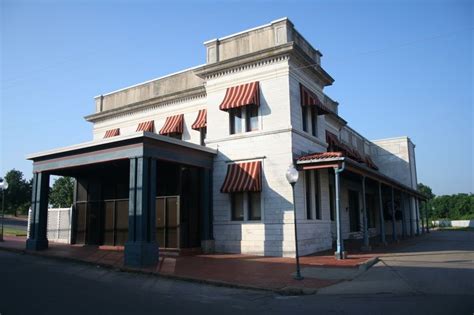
x: 39, y: 213
x: 141, y: 248
x: 394, y: 227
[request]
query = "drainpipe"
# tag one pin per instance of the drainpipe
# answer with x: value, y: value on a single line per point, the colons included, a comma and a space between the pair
x: 340, y: 253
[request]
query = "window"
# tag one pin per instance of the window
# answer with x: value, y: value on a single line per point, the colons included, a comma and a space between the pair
x: 237, y: 200
x: 309, y: 208
x: 246, y: 206
x: 316, y: 194
x: 203, y: 133
x: 241, y: 117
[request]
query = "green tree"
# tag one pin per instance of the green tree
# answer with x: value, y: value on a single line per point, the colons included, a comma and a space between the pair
x: 18, y: 194
x: 61, y: 193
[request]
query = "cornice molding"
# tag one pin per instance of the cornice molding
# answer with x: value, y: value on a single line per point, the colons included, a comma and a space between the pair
x: 150, y: 104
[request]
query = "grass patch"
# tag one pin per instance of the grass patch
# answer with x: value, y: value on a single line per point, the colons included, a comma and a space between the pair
x: 13, y: 231
x: 453, y: 228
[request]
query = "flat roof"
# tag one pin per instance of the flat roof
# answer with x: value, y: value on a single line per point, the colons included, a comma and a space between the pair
x: 93, y: 143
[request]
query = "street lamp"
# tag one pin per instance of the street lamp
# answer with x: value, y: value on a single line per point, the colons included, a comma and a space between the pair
x: 3, y: 187
x: 292, y: 178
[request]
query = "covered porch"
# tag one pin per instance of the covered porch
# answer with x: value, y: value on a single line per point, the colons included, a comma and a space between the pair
x: 365, y: 204
x: 138, y: 192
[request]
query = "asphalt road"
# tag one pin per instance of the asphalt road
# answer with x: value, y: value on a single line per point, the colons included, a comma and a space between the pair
x: 35, y: 285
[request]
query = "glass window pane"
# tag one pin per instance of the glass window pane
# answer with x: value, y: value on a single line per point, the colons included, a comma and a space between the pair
x: 237, y: 206
x: 304, y: 114
x: 203, y: 135
x: 255, y: 212
x: 235, y: 116
x: 314, y: 121
x: 252, y: 118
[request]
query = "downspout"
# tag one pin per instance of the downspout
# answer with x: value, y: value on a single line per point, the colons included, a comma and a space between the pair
x: 340, y: 253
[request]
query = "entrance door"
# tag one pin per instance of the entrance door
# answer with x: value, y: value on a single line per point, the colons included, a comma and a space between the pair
x: 354, y: 213
x: 168, y: 221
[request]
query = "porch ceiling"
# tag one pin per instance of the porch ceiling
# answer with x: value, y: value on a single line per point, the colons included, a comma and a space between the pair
x: 357, y: 168
x: 122, y: 148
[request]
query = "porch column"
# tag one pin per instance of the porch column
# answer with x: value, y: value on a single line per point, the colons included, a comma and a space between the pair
x: 39, y: 212
x: 420, y: 213
x: 364, y: 212
x: 410, y: 208
x: 394, y: 228
x: 402, y: 209
x: 340, y: 253
x: 141, y: 248
x: 382, y: 219
x: 206, y: 214
x: 417, y: 216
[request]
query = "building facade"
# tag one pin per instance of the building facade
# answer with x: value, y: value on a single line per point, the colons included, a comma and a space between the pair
x: 197, y: 159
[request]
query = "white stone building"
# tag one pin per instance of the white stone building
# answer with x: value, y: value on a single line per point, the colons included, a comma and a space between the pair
x: 212, y: 144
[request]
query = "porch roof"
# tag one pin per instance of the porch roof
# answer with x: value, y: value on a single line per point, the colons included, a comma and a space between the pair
x: 333, y: 159
x: 123, y: 147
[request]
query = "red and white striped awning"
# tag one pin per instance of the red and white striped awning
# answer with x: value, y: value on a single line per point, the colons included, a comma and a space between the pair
x: 146, y: 126
x: 308, y: 98
x: 173, y: 124
x: 201, y: 120
x: 112, y: 133
x: 243, y: 177
x: 241, y: 95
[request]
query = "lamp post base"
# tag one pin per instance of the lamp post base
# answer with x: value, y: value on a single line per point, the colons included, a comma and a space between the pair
x: 298, y: 277
x: 340, y: 255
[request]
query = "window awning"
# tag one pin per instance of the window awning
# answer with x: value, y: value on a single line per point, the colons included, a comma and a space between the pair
x: 241, y: 95
x: 308, y: 98
x: 243, y: 177
x: 173, y: 124
x: 146, y: 126
x: 112, y: 133
x: 201, y: 120
x: 336, y: 145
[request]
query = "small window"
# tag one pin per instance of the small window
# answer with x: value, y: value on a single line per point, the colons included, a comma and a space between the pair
x: 243, y: 117
x: 255, y: 212
x: 235, y: 120
x: 237, y: 200
x: 203, y: 133
x: 309, y: 208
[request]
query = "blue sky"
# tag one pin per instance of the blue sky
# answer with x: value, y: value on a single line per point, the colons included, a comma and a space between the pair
x: 400, y: 67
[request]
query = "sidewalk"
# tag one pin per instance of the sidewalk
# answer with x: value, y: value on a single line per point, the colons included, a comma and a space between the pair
x: 238, y: 270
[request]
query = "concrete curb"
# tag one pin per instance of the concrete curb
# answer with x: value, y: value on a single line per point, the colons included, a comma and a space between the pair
x: 368, y: 263
x: 218, y: 283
